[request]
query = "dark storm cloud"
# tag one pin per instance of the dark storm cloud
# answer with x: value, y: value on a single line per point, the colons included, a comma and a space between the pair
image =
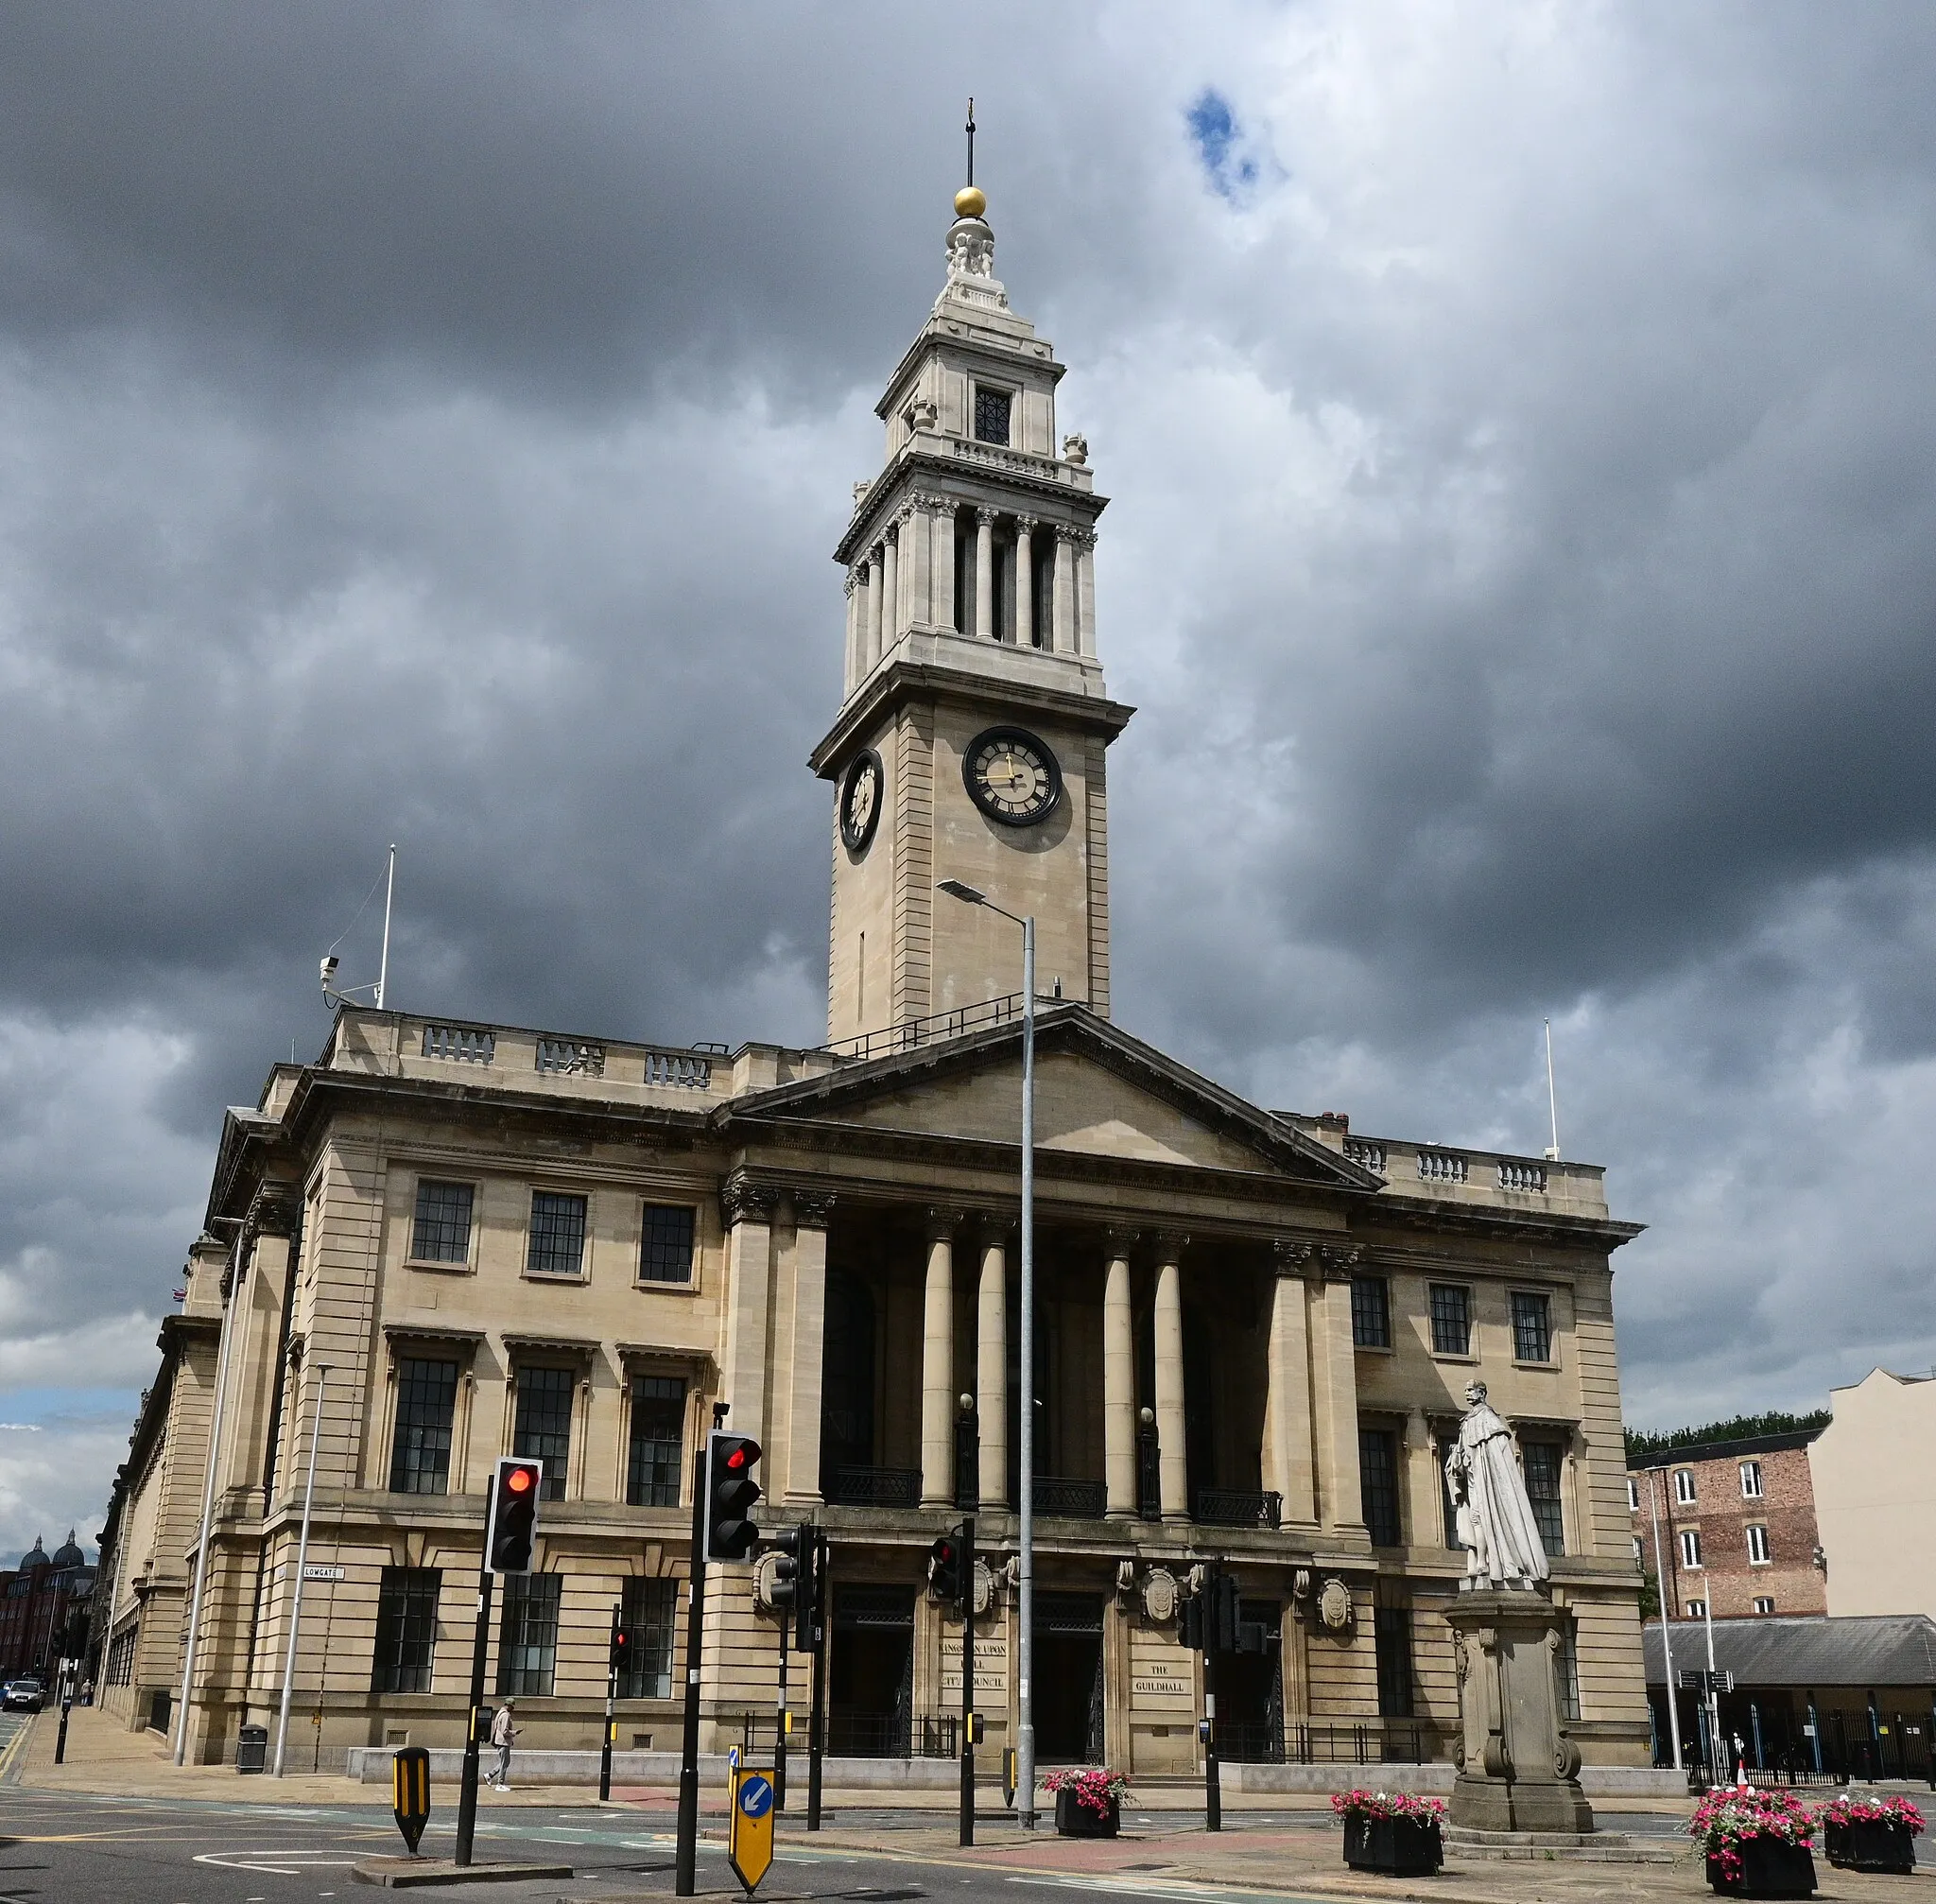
x: 430, y: 425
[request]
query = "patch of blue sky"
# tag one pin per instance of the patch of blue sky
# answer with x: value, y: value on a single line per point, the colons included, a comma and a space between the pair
x: 1222, y: 146
x: 24, y: 1408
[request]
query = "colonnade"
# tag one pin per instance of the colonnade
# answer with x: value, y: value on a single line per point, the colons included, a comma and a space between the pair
x: 907, y: 580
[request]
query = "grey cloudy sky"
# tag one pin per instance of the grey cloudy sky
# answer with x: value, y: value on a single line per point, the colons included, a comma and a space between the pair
x: 432, y: 422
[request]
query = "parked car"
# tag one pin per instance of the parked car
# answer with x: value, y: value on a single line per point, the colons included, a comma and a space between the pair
x: 22, y: 1695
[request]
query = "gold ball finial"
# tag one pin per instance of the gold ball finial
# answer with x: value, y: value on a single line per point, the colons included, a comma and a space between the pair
x: 970, y: 203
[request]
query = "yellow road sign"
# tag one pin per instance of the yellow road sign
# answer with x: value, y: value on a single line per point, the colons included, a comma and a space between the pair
x: 749, y: 1837
x: 410, y: 1787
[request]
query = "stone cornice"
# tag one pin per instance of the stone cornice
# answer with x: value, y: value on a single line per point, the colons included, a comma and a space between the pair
x: 918, y: 465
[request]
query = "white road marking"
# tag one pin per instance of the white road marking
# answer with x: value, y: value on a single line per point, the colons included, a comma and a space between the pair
x: 279, y: 1863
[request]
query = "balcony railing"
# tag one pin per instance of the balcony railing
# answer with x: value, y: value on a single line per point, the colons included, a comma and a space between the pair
x: 1441, y: 1167
x: 1073, y: 1499
x: 1515, y: 1174
x: 1367, y: 1151
x: 874, y: 1487
x: 1238, y: 1507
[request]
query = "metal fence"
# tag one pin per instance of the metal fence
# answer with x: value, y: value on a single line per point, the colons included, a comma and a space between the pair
x: 1399, y: 1741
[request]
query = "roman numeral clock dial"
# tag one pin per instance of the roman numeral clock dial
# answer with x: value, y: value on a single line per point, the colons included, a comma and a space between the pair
x: 1012, y: 775
x: 860, y: 801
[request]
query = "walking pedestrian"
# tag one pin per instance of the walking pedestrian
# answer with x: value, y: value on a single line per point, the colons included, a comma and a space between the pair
x: 502, y: 1733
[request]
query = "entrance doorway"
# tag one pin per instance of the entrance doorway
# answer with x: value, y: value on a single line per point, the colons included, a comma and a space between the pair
x: 1250, y: 1688
x: 1068, y: 1678
x: 870, y: 1673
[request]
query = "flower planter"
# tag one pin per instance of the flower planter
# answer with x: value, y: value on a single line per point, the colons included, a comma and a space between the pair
x: 1073, y: 1819
x: 1871, y: 1844
x: 1770, y: 1867
x: 1399, y: 1847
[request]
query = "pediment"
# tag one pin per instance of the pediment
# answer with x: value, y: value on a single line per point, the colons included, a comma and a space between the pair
x: 1098, y: 1093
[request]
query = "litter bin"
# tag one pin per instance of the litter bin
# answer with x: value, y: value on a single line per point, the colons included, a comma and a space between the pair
x: 251, y: 1749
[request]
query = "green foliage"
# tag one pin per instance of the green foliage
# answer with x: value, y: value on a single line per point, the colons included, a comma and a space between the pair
x: 1739, y: 1428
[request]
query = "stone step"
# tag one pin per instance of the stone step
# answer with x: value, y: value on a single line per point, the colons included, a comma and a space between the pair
x: 1575, y: 1847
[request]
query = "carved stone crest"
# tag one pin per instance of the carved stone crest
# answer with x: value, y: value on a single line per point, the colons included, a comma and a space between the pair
x: 1335, y: 1609
x: 1161, y: 1599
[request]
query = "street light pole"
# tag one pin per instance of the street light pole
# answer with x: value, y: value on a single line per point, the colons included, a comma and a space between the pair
x: 1025, y: 1504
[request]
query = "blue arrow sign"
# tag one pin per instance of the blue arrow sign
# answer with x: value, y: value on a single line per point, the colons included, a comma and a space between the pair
x: 756, y: 1795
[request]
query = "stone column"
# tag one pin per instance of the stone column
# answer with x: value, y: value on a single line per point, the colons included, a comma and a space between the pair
x: 805, y: 1349
x: 876, y: 596
x: 947, y: 609
x: 1025, y: 581
x: 917, y: 550
x: 1173, y: 1465
x: 856, y: 602
x: 1086, y: 593
x: 1287, y: 1451
x: 1118, y: 1380
x: 938, y: 1365
x: 991, y: 1365
x: 747, y: 1208
x: 891, y: 589
x: 984, y: 574
x: 1336, y: 1359
x: 1062, y: 596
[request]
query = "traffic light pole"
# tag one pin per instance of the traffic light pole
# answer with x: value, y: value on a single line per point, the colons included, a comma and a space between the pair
x: 1213, y: 1642
x: 817, y: 1709
x: 611, y: 1698
x: 780, y: 1718
x: 467, y: 1800
x: 968, y: 1680
x: 686, y: 1858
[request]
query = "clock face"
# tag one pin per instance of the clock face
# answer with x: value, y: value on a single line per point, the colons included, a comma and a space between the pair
x: 1012, y: 777
x: 860, y: 801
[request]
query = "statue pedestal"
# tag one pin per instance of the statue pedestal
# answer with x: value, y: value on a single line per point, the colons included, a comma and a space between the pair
x: 1517, y: 1770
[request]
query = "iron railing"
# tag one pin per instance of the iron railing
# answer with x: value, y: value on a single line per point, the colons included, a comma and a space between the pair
x: 1238, y: 1507
x: 1073, y: 1499
x: 874, y: 1487
x: 1390, y: 1742
x: 890, y: 1735
x: 910, y: 1034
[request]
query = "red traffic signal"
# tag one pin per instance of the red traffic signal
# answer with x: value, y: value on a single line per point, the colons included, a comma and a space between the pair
x: 945, y: 1572
x: 511, y: 1534
x: 731, y: 1491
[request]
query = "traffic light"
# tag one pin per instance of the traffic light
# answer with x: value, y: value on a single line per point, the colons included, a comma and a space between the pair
x: 621, y: 1649
x: 1224, y: 1611
x: 731, y: 1491
x: 512, y: 1531
x: 794, y: 1581
x: 1210, y: 1619
x: 948, y: 1569
x: 1195, y: 1625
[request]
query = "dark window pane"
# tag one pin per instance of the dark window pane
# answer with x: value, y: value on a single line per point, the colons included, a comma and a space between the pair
x: 419, y: 1451
x: 1533, y: 1333
x: 1542, y: 1491
x: 1392, y: 1627
x: 658, y: 1433
x: 406, y: 1629
x: 544, y: 1424
x: 1566, y: 1672
x: 1377, y: 1467
x: 992, y: 415
x: 665, y: 1247
x: 527, y: 1639
x: 1371, y: 1312
x: 649, y: 1610
x: 1451, y: 1320
x: 1445, y: 1444
x: 441, y: 1231
x: 557, y: 1235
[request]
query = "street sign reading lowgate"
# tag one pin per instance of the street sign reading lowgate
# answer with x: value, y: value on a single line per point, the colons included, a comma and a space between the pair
x: 749, y: 1837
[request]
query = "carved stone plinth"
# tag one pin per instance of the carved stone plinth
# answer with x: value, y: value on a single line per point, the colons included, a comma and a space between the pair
x: 1517, y: 1769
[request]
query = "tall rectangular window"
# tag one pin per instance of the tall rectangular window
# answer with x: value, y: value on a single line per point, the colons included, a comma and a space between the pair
x: 1684, y: 1486
x: 1758, y: 1547
x: 1532, y: 1328
x: 1377, y: 1470
x: 1371, y: 1312
x: 1751, y: 1480
x: 557, y: 1235
x: 441, y: 1228
x: 543, y: 1431
x: 658, y: 1437
x: 648, y: 1611
x: 1391, y: 1627
x: 1690, y: 1546
x: 419, y: 1449
x: 1567, y: 1671
x: 1543, y: 1489
x: 991, y: 409
x: 1446, y: 1442
x: 665, y: 1244
x: 1451, y: 1318
x: 406, y: 1629
x: 528, y: 1636
x: 1633, y: 1495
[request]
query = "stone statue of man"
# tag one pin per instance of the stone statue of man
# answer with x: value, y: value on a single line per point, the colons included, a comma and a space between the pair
x: 1495, y: 1517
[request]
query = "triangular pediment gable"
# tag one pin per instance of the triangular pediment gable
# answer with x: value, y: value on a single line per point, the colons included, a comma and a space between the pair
x: 1099, y: 1092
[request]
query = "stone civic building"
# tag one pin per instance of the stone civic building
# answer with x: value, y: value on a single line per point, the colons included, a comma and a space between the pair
x: 1253, y: 1329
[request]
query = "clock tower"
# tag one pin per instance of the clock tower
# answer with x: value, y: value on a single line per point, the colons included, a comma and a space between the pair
x: 971, y: 739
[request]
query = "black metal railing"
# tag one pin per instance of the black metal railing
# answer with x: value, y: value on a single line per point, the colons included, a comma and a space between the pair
x: 1074, y: 1499
x: 890, y: 1735
x: 874, y: 1487
x: 1391, y: 1742
x: 910, y: 1034
x: 1238, y: 1507
x: 1149, y: 1476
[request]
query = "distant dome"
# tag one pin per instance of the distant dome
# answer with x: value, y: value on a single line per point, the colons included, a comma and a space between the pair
x: 69, y: 1554
x: 35, y: 1556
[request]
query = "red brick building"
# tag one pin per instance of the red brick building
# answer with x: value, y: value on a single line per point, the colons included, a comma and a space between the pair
x: 1738, y: 1524
x: 37, y: 1601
